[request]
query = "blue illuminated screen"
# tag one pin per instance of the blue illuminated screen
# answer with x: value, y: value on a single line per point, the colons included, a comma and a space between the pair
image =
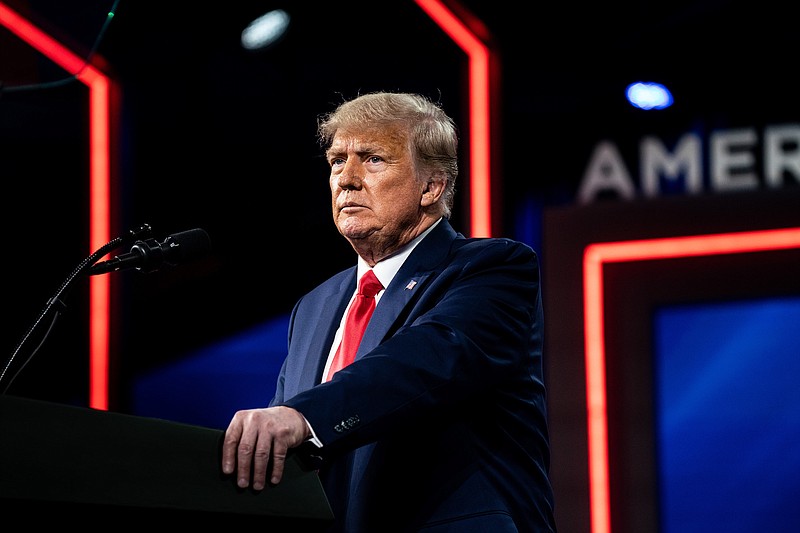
x: 727, y: 416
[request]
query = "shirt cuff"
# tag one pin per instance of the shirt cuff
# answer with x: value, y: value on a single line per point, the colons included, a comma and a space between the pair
x: 313, y: 438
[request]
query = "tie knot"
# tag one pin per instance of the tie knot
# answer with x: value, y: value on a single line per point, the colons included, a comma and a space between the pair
x: 369, y: 285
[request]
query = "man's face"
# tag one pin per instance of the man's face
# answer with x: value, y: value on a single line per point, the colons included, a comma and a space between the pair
x: 376, y: 196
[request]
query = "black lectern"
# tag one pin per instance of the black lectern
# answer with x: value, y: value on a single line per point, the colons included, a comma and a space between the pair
x: 76, y: 462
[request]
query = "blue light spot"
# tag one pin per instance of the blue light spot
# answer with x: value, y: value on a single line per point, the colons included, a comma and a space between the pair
x: 646, y: 95
x: 265, y: 30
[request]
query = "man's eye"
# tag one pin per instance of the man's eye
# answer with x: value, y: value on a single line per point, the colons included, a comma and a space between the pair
x: 375, y: 159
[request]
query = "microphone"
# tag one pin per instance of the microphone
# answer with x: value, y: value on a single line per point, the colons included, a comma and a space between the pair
x: 148, y: 255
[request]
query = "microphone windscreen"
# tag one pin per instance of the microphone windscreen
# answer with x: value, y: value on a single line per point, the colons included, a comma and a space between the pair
x: 188, y: 245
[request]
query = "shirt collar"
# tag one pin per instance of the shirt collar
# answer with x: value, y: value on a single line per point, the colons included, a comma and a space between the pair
x: 385, y: 270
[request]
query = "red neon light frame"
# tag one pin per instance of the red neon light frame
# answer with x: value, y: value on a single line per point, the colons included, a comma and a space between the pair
x: 479, y: 112
x: 595, y: 256
x: 100, y: 175
x: 99, y: 86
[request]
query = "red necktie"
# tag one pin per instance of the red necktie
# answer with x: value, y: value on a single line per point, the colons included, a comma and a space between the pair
x: 356, y: 323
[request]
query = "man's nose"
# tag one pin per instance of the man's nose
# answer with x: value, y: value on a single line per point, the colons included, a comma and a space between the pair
x: 350, y: 176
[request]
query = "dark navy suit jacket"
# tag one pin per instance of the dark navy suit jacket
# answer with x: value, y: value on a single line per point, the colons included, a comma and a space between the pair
x: 440, y: 423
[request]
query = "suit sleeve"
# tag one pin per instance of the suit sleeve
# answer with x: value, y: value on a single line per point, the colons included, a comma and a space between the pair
x: 473, y: 332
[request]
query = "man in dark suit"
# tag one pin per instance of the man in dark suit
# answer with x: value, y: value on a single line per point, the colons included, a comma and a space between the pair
x: 439, y: 425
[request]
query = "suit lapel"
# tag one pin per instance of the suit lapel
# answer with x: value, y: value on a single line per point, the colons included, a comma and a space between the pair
x: 330, y: 313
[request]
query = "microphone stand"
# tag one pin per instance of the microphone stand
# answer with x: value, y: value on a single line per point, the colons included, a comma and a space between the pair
x: 56, y: 305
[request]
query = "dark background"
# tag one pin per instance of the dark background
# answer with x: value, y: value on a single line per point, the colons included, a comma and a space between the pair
x: 221, y: 138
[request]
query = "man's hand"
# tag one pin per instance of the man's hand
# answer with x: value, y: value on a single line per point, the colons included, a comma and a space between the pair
x: 256, y: 436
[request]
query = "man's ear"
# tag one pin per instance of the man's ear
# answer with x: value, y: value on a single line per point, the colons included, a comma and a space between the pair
x: 434, y: 189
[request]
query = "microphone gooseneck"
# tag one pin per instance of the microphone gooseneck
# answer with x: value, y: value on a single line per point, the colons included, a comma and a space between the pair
x: 145, y: 255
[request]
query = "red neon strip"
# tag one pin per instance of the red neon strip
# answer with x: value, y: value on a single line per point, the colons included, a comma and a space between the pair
x: 596, y: 410
x: 480, y: 125
x: 595, y: 256
x: 99, y: 235
x: 99, y: 188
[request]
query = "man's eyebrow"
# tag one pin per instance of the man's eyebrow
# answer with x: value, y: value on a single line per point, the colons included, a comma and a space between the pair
x: 360, y: 151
